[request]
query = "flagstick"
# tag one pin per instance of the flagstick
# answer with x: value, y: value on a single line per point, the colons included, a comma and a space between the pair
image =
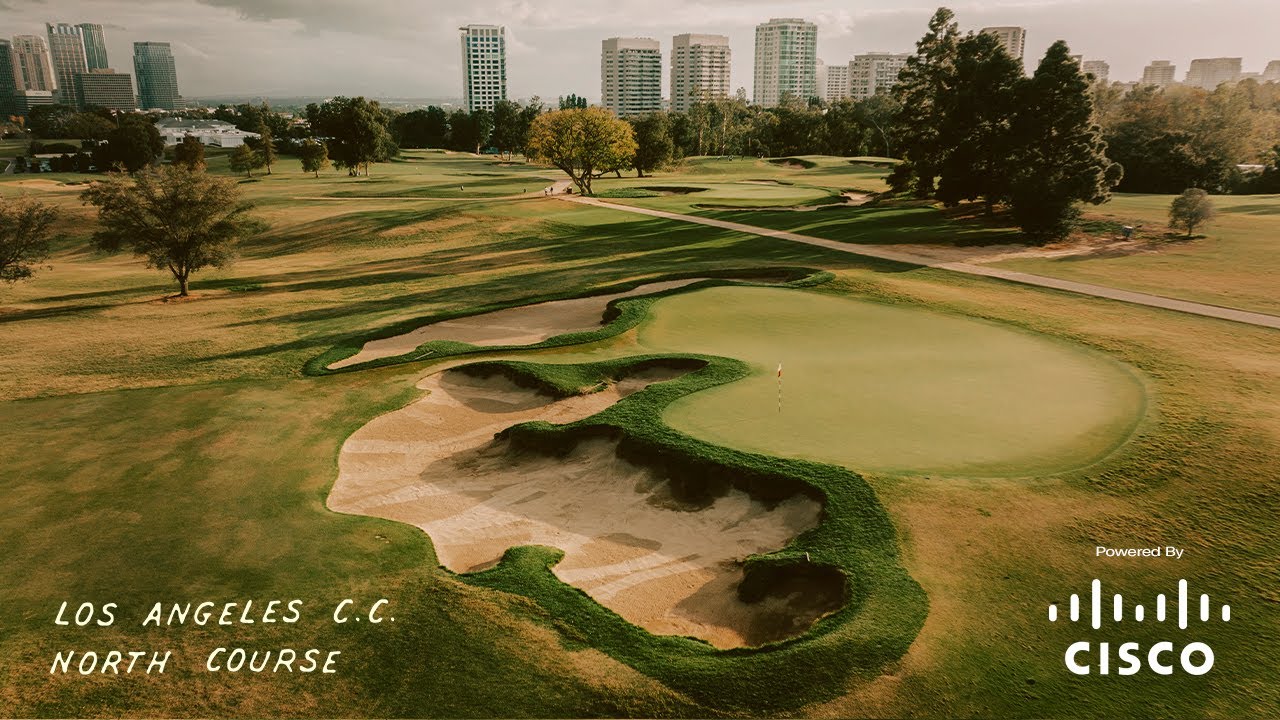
x: 779, y: 387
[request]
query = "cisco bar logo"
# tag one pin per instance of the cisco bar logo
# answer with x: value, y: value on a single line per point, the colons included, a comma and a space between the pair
x: 1195, y: 658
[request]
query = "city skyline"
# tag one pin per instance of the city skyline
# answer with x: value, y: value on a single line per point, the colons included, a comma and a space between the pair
x: 227, y: 47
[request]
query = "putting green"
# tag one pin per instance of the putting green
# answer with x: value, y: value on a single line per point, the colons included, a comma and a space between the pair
x: 893, y: 389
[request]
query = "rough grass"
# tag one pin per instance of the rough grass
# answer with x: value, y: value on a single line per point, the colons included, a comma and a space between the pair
x: 1232, y: 261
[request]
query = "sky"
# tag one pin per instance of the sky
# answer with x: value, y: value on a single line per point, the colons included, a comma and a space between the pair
x: 410, y: 48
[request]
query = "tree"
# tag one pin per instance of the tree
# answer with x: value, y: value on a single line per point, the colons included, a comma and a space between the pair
x: 355, y: 131
x: 133, y: 146
x: 1190, y: 210
x: 470, y: 131
x: 243, y: 159
x: 844, y: 130
x: 584, y: 143
x: 24, y: 237
x: 427, y: 128
x: 572, y: 102
x: 266, y: 147
x: 50, y: 121
x: 654, y: 146
x: 877, y: 113
x: 528, y: 114
x: 1175, y: 138
x: 88, y: 126
x: 506, y: 127
x: 314, y: 155
x: 189, y: 153
x: 176, y: 218
x: 921, y: 90
x: 976, y: 117
x: 1059, y: 158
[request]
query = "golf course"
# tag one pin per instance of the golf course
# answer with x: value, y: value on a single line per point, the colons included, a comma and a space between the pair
x: 608, y: 464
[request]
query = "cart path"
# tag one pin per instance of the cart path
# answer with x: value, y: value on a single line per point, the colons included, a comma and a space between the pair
x: 881, y: 253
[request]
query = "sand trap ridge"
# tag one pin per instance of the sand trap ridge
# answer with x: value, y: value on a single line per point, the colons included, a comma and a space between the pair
x: 628, y: 542
x: 523, y: 325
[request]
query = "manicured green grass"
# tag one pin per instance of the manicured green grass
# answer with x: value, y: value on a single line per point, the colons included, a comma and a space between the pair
x: 889, y: 389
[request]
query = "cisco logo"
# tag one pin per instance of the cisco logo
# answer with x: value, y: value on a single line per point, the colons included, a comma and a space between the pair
x: 1195, y: 658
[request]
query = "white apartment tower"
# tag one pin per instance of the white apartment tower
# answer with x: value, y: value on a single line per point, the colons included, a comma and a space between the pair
x: 1209, y: 73
x: 631, y: 76
x: 1159, y: 73
x: 874, y: 73
x: 1013, y: 38
x: 1099, y: 69
x: 786, y: 61
x: 699, y: 69
x: 836, y: 84
x: 1272, y: 73
x: 484, y: 66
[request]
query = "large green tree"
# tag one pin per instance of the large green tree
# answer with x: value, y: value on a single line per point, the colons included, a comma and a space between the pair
x: 265, y: 146
x: 976, y: 114
x: 178, y: 219
x: 654, y: 146
x: 189, y: 152
x: 506, y: 127
x: 355, y: 130
x: 134, y: 145
x: 314, y: 156
x: 1060, y: 157
x: 583, y: 142
x: 25, y: 226
x: 243, y: 160
x: 921, y: 92
x: 422, y: 128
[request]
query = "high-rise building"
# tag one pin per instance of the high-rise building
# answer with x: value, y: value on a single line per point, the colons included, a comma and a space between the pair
x: 27, y: 99
x: 157, y: 76
x: 875, y: 72
x: 820, y: 77
x: 835, y: 86
x: 1159, y: 73
x: 1014, y: 39
x: 484, y: 66
x: 66, y: 48
x: 95, y: 46
x: 1272, y: 73
x: 31, y: 67
x: 8, y: 104
x: 631, y: 76
x: 106, y: 88
x: 1209, y: 73
x: 699, y: 69
x: 786, y: 61
x: 1099, y: 69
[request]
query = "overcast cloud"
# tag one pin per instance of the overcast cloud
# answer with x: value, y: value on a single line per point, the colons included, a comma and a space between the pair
x: 396, y: 48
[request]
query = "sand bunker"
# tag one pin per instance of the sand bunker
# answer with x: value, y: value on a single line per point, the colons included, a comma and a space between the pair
x: 628, y: 542
x: 524, y: 325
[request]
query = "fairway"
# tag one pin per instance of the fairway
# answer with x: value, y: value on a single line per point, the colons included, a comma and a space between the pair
x: 890, y: 389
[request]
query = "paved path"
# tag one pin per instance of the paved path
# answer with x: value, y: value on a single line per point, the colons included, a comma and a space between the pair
x: 883, y: 253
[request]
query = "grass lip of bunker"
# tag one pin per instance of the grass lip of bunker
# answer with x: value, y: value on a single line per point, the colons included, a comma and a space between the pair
x: 620, y: 315
x: 660, y: 546
x: 852, y: 552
